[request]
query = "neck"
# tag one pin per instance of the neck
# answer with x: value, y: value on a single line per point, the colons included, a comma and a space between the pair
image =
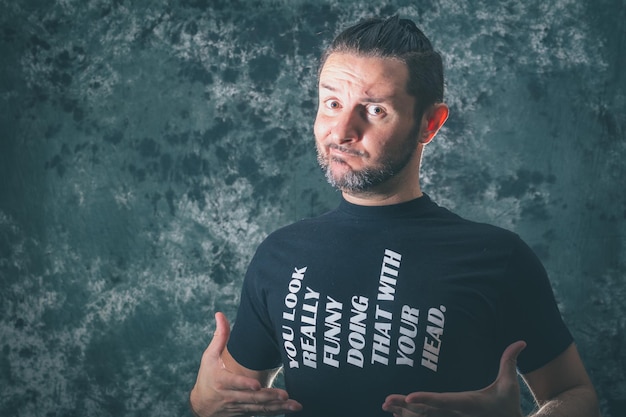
x: 371, y: 199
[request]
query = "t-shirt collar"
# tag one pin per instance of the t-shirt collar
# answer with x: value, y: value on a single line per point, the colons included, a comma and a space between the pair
x: 413, y: 207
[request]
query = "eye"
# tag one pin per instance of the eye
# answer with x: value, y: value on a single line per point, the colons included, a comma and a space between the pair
x: 375, y: 110
x: 332, y: 104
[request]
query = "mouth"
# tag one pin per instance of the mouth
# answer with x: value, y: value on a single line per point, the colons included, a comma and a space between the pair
x: 339, y: 151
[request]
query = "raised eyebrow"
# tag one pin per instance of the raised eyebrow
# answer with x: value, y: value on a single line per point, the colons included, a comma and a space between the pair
x: 377, y: 100
x: 367, y: 98
x: 328, y: 87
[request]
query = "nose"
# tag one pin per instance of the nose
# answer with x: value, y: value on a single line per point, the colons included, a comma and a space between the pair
x: 346, y: 126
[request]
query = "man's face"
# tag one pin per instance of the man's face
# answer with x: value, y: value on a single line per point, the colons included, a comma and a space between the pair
x: 365, y: 129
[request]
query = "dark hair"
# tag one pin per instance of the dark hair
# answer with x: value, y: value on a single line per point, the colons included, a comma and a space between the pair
x: 398, y: 39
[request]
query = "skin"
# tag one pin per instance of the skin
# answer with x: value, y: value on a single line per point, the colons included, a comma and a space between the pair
x: 224, y: 388
x: 561, y: 388
x: 365, y: 118
x: 365, y: 121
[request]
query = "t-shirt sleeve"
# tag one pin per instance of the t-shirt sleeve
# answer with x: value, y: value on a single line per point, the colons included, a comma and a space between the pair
x: 252, y: 340
x: 533, y: 314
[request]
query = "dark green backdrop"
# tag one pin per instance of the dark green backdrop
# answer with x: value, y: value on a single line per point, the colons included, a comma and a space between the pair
x: 146, y: 148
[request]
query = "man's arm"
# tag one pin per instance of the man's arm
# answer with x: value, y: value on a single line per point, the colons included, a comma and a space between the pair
x: 224, y: 388
x: 563, y: 388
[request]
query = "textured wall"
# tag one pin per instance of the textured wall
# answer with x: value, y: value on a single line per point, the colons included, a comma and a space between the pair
x: 146, y: 148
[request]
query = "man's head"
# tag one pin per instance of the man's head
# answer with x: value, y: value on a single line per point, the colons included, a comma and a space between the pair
x: 380, y: 93
x: 399, y: 39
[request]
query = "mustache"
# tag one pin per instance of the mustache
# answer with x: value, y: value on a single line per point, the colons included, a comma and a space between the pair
x: 347, y: 150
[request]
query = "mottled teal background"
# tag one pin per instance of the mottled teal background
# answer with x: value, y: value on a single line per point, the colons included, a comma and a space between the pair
x: 147, y: 147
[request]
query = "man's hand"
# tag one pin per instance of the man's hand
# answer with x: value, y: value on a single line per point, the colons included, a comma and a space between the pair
x: 222, y: 392
x: 500, y: 399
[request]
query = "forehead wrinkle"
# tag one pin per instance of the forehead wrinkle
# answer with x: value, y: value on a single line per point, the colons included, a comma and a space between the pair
x: 353, y: 76
x: 367, y: 95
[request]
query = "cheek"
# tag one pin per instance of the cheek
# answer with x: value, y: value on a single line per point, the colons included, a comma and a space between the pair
x: 379, y: 138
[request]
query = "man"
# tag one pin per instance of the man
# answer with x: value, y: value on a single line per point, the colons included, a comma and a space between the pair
x: 390, y: 303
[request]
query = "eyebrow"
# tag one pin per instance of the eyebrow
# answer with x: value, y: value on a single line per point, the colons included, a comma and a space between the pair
x: 369, y: 98
x: 328, y: 87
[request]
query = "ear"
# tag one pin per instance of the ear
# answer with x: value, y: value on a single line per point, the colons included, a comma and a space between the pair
x: 432, y: 121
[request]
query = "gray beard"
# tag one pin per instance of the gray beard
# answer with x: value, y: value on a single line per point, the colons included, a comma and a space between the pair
x: 364, y: 180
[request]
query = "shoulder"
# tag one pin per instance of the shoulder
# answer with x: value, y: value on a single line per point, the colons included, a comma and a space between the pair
x: 300, y: 236
x: 460, y: 228
x: 301, y: 226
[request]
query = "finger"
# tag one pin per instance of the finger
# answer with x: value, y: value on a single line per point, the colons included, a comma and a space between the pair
x: 212, y: 361
x: 396, y: 399
x: 262, y: 396
x: 396, y: 405
x: 508, y: 361
x: 397, y: 411
x: 272, y: 407
x: 407, y: 410
x: 393, y: 402
x: 225, y: 380
x: 435, y: 399
x: 220, y: 337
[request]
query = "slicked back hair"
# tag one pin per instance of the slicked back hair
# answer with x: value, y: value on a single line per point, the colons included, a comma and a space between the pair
x: 398, y: 39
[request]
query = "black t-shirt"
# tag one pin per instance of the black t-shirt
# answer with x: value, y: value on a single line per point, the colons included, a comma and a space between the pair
x: 364, y: 302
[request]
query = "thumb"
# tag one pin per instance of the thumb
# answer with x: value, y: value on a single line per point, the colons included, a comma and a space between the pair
x: 508, y: 361
x: 220, y: 336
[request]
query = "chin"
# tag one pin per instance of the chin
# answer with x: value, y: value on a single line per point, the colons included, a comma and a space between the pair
x: 339, y: 170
